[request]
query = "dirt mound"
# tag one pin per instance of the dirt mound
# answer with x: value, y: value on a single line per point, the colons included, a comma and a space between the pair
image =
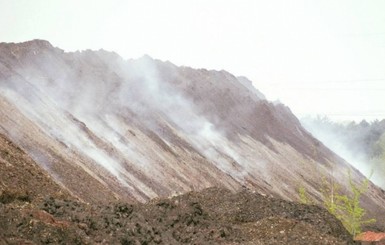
x: 212, y: 216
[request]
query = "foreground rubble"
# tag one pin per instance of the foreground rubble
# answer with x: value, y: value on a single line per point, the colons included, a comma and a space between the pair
x: 212, y: 216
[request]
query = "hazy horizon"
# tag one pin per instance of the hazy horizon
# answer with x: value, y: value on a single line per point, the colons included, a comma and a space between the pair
x: 317, y: 57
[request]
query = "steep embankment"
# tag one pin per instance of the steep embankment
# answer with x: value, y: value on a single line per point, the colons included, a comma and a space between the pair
x: 108, y: 128
x: 22, y: 179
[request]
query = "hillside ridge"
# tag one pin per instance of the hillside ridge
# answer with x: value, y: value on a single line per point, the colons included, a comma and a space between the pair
x: 107, y: 129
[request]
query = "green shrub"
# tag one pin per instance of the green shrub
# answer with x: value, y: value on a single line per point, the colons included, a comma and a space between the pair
x: 304, y: 196
x: 345, y: 207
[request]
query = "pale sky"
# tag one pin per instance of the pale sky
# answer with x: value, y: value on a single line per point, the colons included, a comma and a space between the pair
x: 316, y: 56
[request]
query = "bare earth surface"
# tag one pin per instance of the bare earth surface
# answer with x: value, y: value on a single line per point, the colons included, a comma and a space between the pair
x: 212, y: 216
x: 35, y: 210
x: 92, y: 146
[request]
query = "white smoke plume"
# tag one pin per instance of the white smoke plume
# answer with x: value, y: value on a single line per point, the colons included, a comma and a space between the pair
x: 50, y: 93
x: 354, y: 142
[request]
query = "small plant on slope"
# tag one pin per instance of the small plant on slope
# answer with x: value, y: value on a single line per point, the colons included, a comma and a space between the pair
x: 349, y: 208
x: 346, y: 208
x: 304, y: 196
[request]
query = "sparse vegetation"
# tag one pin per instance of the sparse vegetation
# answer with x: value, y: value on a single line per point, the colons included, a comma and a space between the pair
x: 304, y: 196
x: 330, y: 190
x: 345, y: 207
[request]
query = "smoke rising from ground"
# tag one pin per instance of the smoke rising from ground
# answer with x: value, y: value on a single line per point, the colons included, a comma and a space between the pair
x: 361, y: 144
x: 57, y: 89
x: 146, y: 128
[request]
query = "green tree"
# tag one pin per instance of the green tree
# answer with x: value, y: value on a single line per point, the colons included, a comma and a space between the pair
x: 330, y: 191
x: 345, y: 207
x: 349, y: 209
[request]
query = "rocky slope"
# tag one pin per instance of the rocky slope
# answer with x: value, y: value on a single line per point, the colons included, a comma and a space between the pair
x: 108, y: 129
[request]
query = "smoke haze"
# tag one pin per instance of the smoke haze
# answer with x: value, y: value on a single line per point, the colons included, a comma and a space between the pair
x: 361, y: 144
x: 142, y: 128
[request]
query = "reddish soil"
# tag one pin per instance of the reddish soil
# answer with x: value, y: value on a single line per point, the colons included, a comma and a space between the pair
x: 371, y: 237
